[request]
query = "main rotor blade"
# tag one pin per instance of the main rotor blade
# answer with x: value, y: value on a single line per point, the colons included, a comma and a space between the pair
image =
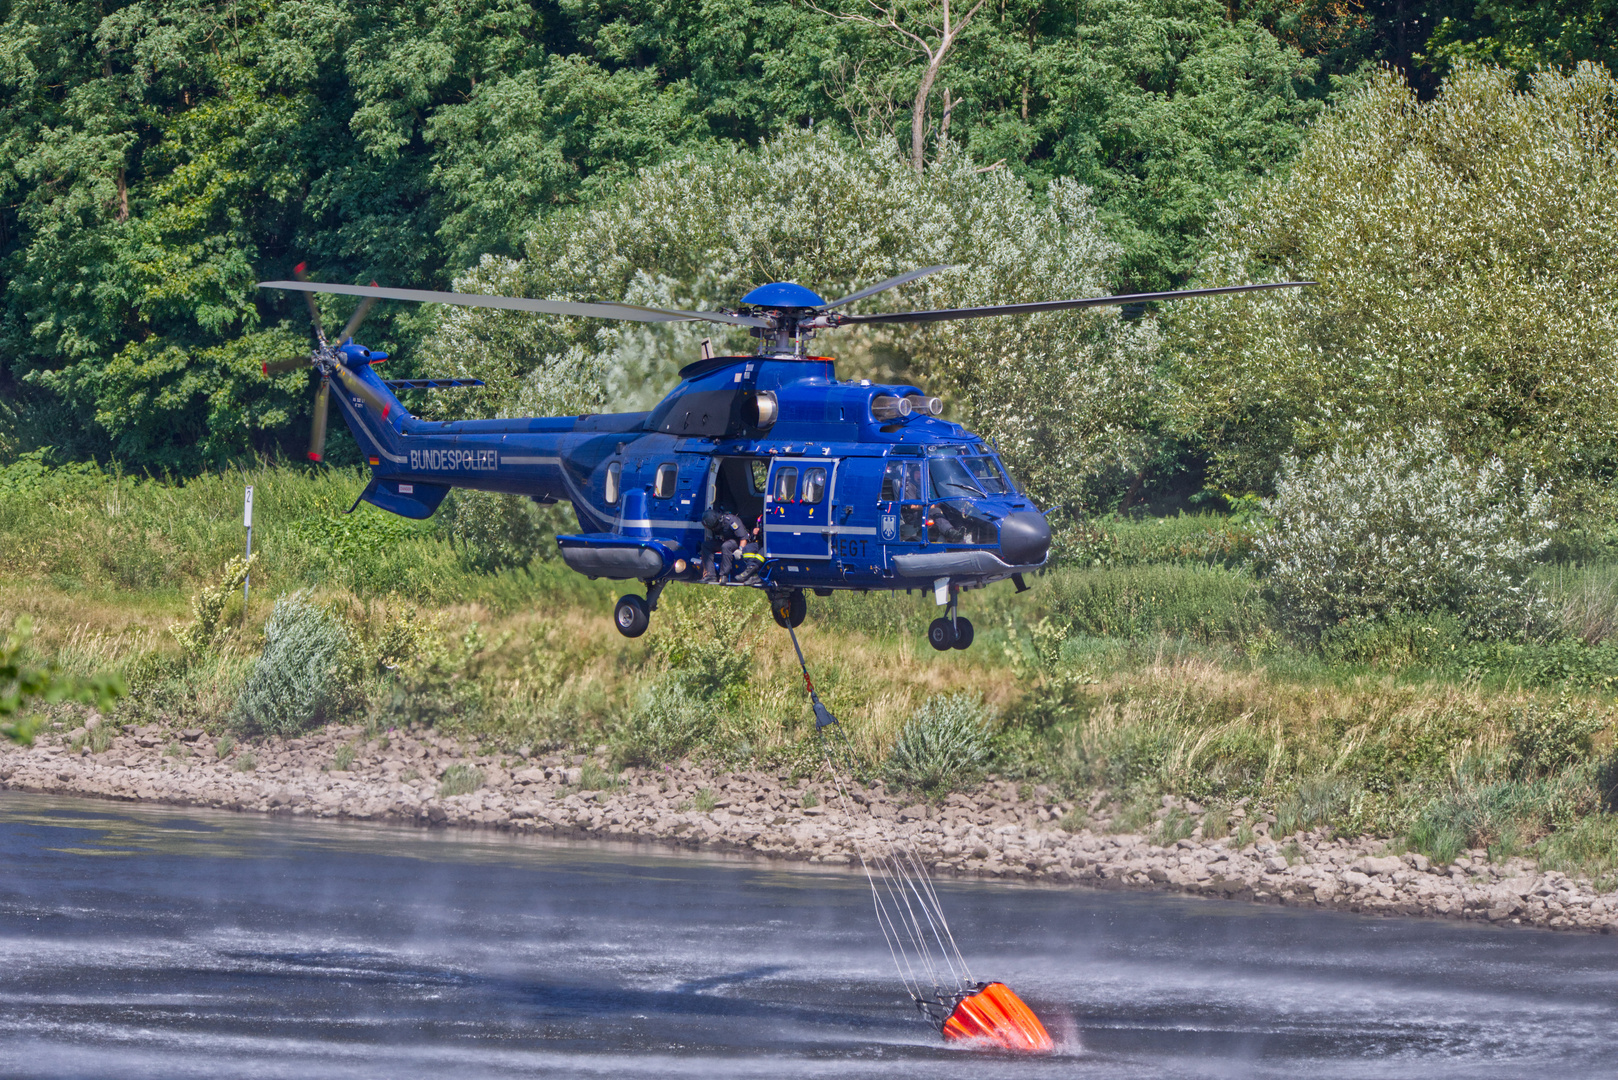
x: 360, y: 390
x: 281, y: 367
x: 884, y: 286
x: 358, y: 317
x: 628, y: 312
x: 317, y: 433
x: 302, y: 274
x: 944, y: 314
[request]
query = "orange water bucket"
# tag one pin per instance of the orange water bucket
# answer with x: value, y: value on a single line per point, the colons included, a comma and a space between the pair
x: 998, y: 1017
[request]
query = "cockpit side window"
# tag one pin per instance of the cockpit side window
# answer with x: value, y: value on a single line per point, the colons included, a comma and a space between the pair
x: 901, y: 480
x: 893, y: 481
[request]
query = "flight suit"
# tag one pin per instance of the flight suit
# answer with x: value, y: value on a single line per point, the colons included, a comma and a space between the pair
x: 724, y: 534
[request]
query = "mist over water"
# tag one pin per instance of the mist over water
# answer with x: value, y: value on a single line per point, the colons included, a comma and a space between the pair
x: 142, y: 942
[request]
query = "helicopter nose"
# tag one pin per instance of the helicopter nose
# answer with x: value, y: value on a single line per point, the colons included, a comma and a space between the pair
x: 1025, y: 537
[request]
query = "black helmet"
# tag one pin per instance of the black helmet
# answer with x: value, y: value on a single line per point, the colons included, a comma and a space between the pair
x: 710, y: 520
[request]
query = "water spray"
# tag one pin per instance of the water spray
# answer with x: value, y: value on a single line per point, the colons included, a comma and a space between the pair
x: 930, y: 964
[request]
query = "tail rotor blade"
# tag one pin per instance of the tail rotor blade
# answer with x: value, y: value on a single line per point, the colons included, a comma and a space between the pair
x: 358, y: 317
x: 363, y: 392
x: 301, y: 272
x: 317, y: 436
x: 281, y: 367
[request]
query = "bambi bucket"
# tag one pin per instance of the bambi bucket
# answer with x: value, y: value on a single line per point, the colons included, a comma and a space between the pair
x: 998, y: 1017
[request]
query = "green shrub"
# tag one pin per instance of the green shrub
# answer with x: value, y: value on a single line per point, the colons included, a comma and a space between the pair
x: 1316, y: 802
x: 496, y: 530
x: 1589, y: 847
x: 208, y: 607
x: 343, y: 758
x: 1187, y: 539
x: 300, y: 675
x: 459, y: 780
x: 1544, y: 740
x: 667, y: 722
x: 1205, y: 603
x: 943, y: 745
x: 1515, y: 811
x: 1439, y: 837
x: 593, y: 777
x: 1174, y: 826
x: 706, y: 800
x: 1402, y: 527
x: 708, y: 644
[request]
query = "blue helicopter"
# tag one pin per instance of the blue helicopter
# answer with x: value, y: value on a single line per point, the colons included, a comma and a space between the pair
x: 856, y: 485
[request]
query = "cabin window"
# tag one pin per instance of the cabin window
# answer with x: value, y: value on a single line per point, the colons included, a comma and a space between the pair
x: 786, y: 485
x: 613, y: 472
x: 814, y: 485
x: 761, y: 475
x: 667, y: 474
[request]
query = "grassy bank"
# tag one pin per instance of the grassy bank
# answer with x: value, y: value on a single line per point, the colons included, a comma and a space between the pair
x: 1149, y: 664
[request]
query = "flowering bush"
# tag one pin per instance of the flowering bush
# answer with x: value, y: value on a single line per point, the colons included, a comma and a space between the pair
x: 1463, y: 249
x: 1068, y: 396
x: 1404, y: 527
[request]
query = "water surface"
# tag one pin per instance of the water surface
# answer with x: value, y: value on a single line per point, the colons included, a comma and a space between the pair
x: 144, y: 942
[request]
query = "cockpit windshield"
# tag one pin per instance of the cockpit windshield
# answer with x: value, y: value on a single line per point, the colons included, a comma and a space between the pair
x: 988, y: 475
x: 963, y: 471
x: 951, y: 479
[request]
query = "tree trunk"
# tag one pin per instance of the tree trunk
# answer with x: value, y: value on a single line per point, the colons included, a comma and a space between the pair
x: 918, y: 115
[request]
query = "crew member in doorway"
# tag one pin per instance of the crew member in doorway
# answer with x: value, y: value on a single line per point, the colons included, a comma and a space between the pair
x: 753, y: 553
x: 724, y: 534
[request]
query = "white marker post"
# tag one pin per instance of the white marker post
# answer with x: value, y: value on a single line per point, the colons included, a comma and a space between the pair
x: 247, y: 522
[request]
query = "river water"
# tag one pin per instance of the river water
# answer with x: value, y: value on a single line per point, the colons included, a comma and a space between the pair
x: 149, y: 942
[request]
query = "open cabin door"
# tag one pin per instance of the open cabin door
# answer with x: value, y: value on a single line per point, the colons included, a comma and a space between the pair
x: 797, y: 508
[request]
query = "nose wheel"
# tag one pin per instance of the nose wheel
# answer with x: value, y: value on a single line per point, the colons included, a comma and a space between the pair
x: 951, y: 632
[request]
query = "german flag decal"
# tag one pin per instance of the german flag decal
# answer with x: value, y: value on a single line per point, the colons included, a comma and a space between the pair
x: 376, y: 461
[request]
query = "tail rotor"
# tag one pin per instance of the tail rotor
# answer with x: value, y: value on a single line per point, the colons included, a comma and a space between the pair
x: 328, y: 361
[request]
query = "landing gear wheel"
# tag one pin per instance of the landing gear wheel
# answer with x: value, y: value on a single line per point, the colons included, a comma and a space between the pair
x: 631, y: 616
x: 941, y: 635
x: 963, y: 633
x: 790, y: 609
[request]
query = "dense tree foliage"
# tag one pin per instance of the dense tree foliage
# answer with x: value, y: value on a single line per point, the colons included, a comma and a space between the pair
x: 1464, y: 252
x: 160, y: 156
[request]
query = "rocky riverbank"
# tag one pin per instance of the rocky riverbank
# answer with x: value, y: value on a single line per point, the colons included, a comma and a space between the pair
x: 998, y: 830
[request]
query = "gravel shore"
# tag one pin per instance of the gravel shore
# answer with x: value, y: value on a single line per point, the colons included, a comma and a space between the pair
x: 993, y: 831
